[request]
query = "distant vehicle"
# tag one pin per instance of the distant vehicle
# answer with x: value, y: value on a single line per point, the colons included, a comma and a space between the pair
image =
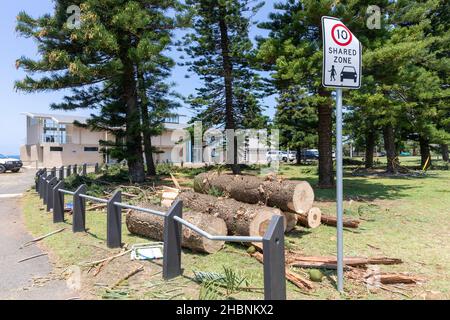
x: 349, y: 72
x: 310, y: 154
x: 292, y: 156
x: 405, y: 153
x: 276, y: 155
x: 9, y: 164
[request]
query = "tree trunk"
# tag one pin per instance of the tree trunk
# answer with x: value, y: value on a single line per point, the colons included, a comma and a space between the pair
x: 288, y: 195
x: 332, y: 221
x: 151, y: 226
x: 312, y: 219
x: 299, y: 156
x: 228, y: 83
x: 133, y: 128
x: 425, y: 155
x: 389, y: 146
x: 326, y: 175
x: 445, y: 155
x: 242, y: 219
x: 148, y: 148
x: 370, y: 148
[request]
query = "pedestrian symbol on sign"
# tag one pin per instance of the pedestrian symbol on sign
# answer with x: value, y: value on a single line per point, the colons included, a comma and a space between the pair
x: 333, y: 74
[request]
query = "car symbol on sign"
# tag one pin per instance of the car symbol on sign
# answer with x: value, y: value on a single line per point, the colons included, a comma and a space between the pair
x: 349, y: 72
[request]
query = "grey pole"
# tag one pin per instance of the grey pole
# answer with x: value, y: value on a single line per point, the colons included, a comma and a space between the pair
x: 58, y: 203
x: 339, y: 192
x: 61, y: 173
x: 75, y: 169
x: 42, y: 185
x: 79, y: 210
x: 172, y: 242
x: 54, y: 171
x: 274, y: 260
x: 51, y: 184
x: 114, y: 221
x: 69, y: 170
x: 84, y: 172
x: 97, y: 170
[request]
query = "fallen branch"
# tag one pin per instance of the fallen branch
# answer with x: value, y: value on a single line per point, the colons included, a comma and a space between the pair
x: 129, y: 275
x: 26, y: 244
x: 331, y: 263
x: 94, y: 263
x: 175, y: 182
x: 32, y: 257
x: 332, y: 221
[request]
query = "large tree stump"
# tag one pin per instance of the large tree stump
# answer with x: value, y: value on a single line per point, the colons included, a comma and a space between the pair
x: 152, y: 226
x: 242, y: 219
x: 293, y: 196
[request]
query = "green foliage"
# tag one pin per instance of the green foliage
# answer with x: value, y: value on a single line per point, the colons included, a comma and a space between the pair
x: 212, y: 282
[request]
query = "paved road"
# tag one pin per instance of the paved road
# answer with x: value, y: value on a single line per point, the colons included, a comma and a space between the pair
x: 16, y: 279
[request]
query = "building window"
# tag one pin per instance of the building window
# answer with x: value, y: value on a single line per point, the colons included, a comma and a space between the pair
x: 90, y: 149
x: 56, y: 149
x: 53, y: 132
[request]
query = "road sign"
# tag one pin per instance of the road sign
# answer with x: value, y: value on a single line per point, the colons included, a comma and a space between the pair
x: 341, y: 56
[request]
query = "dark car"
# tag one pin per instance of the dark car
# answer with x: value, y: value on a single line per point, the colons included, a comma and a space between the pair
x: 311, y: 154
x: 349, y: 72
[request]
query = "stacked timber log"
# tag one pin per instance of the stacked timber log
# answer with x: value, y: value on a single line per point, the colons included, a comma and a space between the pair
x: 241, y: 218
x: 152, y: 227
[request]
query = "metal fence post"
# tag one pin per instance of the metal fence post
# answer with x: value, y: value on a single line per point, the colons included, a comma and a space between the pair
x: 50, y: 185
x: 42, y: 185
x: 79, y: 210
x: 114, y: 221
x: 69, y: 170
x: 96, y: 169
x: 172, y: 242
x: 38, y: 177
x: 274, y: 263
x: 61, y: 173
x: 75, y: 169
x: 45, y: 188
x: 58, y: 203
x: 54, y: 171
x: 84, y: 172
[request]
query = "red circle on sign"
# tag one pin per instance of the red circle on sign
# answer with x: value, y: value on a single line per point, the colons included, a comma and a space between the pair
x: 342, y: 44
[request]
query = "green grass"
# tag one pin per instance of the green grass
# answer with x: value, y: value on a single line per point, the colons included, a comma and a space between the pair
x: 402, y: 217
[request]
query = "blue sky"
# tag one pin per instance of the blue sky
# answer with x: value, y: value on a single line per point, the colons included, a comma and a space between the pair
x: 12, y: 123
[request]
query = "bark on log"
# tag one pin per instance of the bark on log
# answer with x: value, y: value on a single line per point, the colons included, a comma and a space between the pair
x: 291, y: 220
x: 287, y: 195
x: 332, y: 221
x: 331, y: 263
x: 310, y: 220
x: 242, y: 219
x: 152, y: 226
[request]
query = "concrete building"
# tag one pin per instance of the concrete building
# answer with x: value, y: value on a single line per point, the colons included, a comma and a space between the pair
x: 54, y: 141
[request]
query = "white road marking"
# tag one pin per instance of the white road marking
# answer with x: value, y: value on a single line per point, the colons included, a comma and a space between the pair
x: 11, y: 195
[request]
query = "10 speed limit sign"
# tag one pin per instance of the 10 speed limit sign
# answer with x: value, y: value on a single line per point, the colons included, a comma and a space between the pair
x: 341, y: 55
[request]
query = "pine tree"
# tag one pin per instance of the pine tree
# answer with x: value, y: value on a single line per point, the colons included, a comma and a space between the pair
x: 221, y: 52
x: 98, y: 61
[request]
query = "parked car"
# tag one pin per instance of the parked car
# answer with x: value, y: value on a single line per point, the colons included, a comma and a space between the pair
x: 292, y: 156
x: 9, y: 164
x: 405, y: 153
x: 276, y: 155
x: 310, y: 154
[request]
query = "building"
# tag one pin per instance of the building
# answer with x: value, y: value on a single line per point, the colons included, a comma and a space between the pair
x: 54, y: 141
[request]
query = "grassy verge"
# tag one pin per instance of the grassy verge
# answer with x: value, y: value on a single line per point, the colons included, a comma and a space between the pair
x: 403, y: 217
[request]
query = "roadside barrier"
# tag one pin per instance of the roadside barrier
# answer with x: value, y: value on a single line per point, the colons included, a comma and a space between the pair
x: 51, y: 190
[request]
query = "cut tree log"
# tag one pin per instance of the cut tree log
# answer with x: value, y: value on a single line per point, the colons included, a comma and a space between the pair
x: 242, y: 219
x: 152, y: 226
x: 291, y: 220
x: 293, y: 196
x: 332, y: 221
x: 394, y: 278
x: 310, y: 220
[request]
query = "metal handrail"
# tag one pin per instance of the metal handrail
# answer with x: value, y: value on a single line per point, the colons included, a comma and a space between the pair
x: 66, y: 192
x: 127, y: 206
x: 85, y: 196
x: 217, y: 238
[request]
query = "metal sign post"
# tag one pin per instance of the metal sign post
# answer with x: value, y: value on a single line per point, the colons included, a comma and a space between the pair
x: 341, y: 69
